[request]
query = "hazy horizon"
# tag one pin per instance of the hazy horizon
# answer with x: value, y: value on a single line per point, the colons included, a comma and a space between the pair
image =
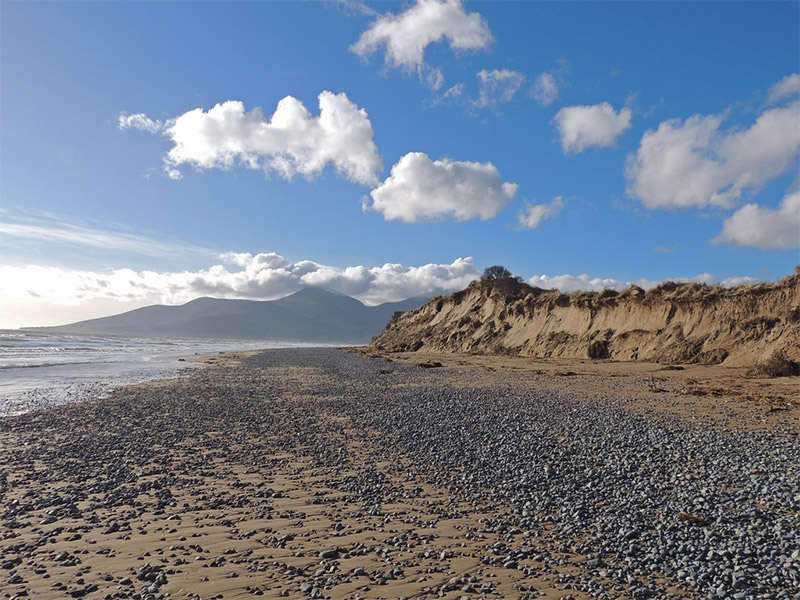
x: 113, y: 314
x: 153, y: 153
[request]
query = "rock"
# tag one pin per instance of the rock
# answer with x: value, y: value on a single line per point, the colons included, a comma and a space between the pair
x: 593, y: 563
x: 10, y: 564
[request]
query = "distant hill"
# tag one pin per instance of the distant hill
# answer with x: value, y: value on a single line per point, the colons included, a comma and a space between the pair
x: 671, y: 323
x: 310, y: 315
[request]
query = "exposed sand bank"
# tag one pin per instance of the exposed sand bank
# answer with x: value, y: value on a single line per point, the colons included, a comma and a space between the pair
x: 672, y: 323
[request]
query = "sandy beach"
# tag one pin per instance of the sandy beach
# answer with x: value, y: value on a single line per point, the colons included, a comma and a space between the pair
x: 323, y: 473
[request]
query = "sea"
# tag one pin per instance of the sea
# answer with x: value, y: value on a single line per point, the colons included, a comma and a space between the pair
x: 41, y: 370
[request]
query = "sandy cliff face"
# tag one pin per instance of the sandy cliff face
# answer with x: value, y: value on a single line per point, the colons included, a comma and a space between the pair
x: 672, y: 323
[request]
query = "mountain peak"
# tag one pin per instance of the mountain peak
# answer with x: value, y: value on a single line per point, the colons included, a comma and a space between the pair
x: 316, y: 292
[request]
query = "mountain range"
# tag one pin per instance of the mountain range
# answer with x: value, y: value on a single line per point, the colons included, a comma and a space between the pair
x: 309, y: 315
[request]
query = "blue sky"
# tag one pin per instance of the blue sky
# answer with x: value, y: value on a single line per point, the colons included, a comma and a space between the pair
x: 581, y: 145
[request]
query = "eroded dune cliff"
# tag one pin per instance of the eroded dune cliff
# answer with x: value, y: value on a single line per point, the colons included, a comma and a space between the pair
x: 672, y: 323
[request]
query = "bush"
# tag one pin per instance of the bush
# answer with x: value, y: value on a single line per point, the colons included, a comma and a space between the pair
x: 777, y: 365
x: 598, y: 350
x: 711, y: 357
x: 667, y: 286
x: 607, y: 293
x: 501, y: 279
x: 562, y: 300
x: 634, y: 292
x: 495, y: 273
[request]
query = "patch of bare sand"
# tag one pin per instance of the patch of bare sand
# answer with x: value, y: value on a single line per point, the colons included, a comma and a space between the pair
x: 224, y: 359
x: 726, y: 396
x: 207, y: 547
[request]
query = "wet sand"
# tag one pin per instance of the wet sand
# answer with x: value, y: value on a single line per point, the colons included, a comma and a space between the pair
x: 303, y: 474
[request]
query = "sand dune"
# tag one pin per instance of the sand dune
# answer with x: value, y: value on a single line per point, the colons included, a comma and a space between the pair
x: 672, y: 323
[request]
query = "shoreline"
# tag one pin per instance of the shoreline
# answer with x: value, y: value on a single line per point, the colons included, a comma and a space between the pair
x: 283, y: 472
x: 52, y: 370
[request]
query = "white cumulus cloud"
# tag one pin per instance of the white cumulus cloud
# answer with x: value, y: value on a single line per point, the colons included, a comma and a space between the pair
x: 598, y: 126
x: 263, y: 276
x: 584, y: 282
x: 544, y: 89
x: 394, y: 281
x: 786, y: 88
x: 139, y: 121
x: 696, y: 163
x: 350, y: 7
x: 573, y: 283
x: 534, y: 214
x: 497, y: 86
x: 454, y: 91
x: 292, y: 142
x: 406, y: 35
x: 421, y: 189
x: 765, y: 228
